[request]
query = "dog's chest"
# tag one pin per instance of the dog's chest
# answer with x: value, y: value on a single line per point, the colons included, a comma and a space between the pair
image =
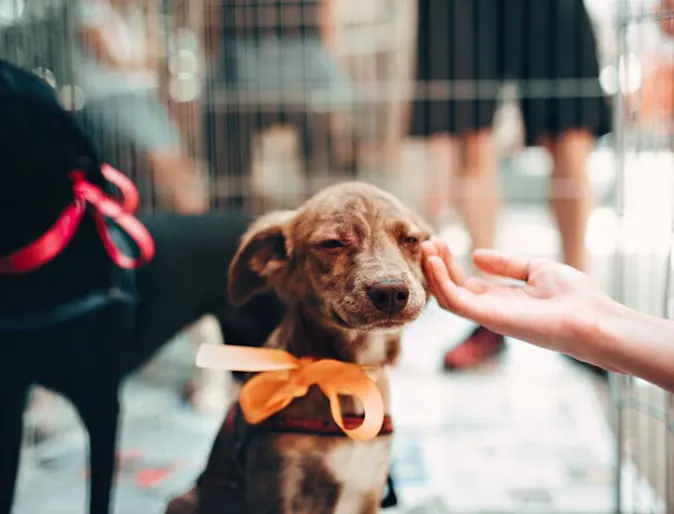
x: 335, y: 476
x: 360, y: 468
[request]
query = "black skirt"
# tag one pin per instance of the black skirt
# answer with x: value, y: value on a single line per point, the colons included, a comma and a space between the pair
x: 467, y: 49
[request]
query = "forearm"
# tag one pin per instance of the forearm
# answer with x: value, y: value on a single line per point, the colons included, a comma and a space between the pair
x: 637, y: 344
x: 93, y: 40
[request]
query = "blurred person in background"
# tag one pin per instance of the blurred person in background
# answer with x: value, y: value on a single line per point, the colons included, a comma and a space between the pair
x: 652, y: 105
x: 665, y: 10
x: 273, y: 63
x: 119, y: 52
x: 466, y: 49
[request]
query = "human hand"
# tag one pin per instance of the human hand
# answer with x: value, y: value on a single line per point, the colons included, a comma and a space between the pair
x: 554, y: 306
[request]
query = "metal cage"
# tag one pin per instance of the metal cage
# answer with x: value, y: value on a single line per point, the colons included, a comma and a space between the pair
x: 265, y: 133
x: 644, y: 146
x: 268, y: 147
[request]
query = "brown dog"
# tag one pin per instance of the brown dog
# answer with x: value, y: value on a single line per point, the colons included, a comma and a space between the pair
x: 347, y: 264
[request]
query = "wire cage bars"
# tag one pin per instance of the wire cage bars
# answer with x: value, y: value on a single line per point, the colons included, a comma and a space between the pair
x: 267, y: 96
x: 644, y: 148
x: 276, y: 98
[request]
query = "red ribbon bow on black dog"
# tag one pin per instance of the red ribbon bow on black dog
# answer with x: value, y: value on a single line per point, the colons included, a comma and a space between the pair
x: 50, y: 244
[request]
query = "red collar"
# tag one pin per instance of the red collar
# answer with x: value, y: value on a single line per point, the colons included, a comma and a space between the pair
x: 315, y: 426
x: 232, y: 478
x: 50, y: 244
x: 324, y: 426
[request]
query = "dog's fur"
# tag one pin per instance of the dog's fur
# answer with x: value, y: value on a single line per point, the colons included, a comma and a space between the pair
x: 324, y: 261
x: 86, y: 359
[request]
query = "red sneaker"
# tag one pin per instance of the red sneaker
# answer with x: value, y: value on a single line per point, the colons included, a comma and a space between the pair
x: 481, y: 345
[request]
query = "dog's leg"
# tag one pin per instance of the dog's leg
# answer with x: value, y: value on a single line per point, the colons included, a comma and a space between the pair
x: 100, y: 416
x: 12, y: 404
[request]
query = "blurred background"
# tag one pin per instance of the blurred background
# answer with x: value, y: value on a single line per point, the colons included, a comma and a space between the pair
x: 480, y: 114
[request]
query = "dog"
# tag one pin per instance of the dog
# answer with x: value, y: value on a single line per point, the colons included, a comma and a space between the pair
x: 86, y: 359
x: 347, y: 266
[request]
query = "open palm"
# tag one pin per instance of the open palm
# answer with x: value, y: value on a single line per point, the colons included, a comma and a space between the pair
x: 548, y: 306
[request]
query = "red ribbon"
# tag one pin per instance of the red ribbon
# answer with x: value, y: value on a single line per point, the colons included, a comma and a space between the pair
x: 50, y: 244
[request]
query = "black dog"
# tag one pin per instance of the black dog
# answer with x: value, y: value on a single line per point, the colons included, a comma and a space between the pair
x: 87, y: 358
x: 74, y: 315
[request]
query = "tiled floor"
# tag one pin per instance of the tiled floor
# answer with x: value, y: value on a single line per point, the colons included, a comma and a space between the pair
x: 521, y: 435
x: 525, y: 434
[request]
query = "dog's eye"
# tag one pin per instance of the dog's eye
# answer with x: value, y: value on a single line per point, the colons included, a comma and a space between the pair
x: 331, y: 244
x: 411, y: 240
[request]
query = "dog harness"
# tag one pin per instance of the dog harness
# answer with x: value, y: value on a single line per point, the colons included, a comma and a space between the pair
x: 241, y: 432
x: 87, y: 196
x: 281, y: 378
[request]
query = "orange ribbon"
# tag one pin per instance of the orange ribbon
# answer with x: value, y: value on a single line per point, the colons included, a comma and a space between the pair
x: 283, y: 377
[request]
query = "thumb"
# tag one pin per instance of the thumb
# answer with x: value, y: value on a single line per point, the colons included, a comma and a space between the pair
x: 501, y: 264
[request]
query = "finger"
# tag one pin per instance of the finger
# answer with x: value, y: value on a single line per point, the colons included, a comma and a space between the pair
x: 449, y: 295
x: 433, y: 283
x: 455, y: 272
x: 501, y: 264
x: 462, y: 301
x: 429, y: 248
x: 443, y: 250
x: 432, y: 249
x: 442, y: 286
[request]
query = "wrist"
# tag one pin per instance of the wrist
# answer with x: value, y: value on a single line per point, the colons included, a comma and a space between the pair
x: 595, y: 335
x: 636, y: 343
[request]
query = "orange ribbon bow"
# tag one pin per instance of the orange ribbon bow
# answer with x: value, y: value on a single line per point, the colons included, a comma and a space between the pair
x: 283, y: 377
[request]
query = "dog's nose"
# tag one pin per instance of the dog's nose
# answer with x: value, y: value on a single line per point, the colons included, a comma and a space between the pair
x: 389, y: 296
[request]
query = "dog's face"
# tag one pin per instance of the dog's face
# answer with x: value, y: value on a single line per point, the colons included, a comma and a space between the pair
x: 351, y: 256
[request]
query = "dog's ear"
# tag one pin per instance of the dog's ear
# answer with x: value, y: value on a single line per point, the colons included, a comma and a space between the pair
x: 262, y: 254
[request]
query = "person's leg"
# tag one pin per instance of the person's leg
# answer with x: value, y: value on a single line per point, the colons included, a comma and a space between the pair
x: 570, y: 194
x: 571, y: 199
x: 479, y: 194
x: 478, y: 198
x: 179, y: 180
x: 444, y: 153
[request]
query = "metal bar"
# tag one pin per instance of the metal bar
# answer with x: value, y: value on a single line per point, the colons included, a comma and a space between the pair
x: 616, y: 381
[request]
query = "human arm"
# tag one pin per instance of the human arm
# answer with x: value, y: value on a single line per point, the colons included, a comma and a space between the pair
x: 93, y: 39
x: 155, y: 43
x: 96, y: 32
x: 637, y: 344
x: 556, y: 307
x: 328, y: 26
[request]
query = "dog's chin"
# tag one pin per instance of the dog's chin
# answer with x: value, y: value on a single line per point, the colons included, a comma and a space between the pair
x: 375, y: 323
